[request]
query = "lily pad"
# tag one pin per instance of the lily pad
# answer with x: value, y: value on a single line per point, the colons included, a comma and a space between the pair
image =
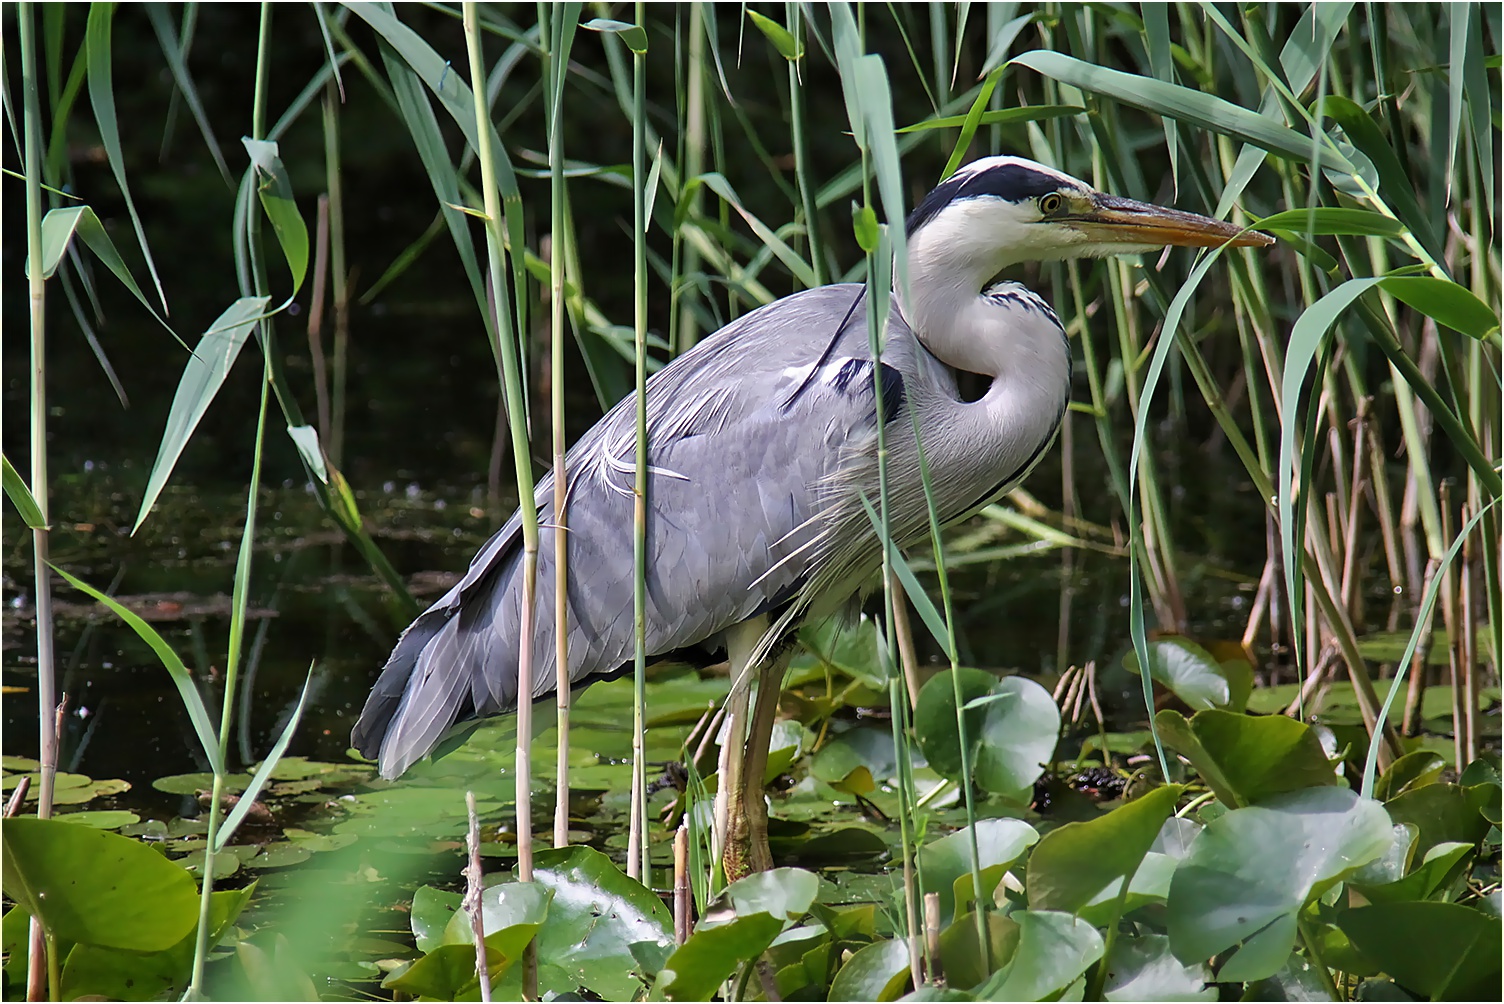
x: 1441, y: 951
x: 1012, y: 724
x: 879, y: 972
x: 1245, y: 759
x: 1081, y: 862
x: 1249, y: 873
x: 1054, y: 949
x: 596, y: 916
x: 1194, y: 675
x: 1143, y: 968
x: 103, y: 819
x: 943, y: 862
x: 699, y: 966
x: 192, y: 784
x: 95, y: 887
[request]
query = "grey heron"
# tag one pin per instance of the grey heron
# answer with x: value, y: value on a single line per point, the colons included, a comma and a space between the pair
x: 762, y: 441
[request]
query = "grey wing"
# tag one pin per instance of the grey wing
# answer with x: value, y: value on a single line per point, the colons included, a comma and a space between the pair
x: 747, y: 431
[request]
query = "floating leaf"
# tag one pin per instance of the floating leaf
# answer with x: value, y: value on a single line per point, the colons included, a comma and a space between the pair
x: 1189, y: 671
x: 1000, y: 842
x: 1246, y: 759
x: 1143, y: 968
x: 95, y: 887
x: 699, y: 966
x: 1011, y: 727
x: 1054, y: 949
x: 1250, y: 872
x: 1441, y: 951
x: 1082, y: 862
x: 878, y: 972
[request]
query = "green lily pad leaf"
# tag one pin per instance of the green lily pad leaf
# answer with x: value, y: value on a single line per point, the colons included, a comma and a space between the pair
x: 431, y: 913
x: 1000, y: 842
x: 1143, y: 968
x: 23, y: 764
x: 596, y: 916
x: 114, y: 974
x: 1297, y: 980
x: 95, y: 887
x: 1053, y: 950
x: 1440, y: 951
x: 226, y: 862
x: 192, y: 784
x: 1245, y: 759
x: 878, y: 972
x: 1250, y: 871
x: 1441, y: 862
x: 782, y: 892
x: 1011, y: 727
x: 280, y: 855
x: 1443, y: 813
x: 1413, y: 770
x: 1082, y: 862
x: 444, y: 973
x: 961, y: 953
x: 698, y: 967
x: 1190, y: 672
x: 848, y: 843
x: 849, y: 648
x: 103, y: 819
x: 932, y: 993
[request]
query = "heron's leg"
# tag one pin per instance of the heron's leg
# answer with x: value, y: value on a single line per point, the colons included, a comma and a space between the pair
x: 769, y: 689
x: 741, y: 641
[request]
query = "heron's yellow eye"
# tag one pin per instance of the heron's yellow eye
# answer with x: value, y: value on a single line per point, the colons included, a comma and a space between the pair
x: 1051, y: 204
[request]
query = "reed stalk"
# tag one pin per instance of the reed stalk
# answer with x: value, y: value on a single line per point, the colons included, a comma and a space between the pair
x: 240, y: 591
x: 637, y: 843
x: 42, y: 964
x: 517, y: 418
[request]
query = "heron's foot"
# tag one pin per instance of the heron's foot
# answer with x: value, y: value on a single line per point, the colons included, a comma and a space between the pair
x: 746, y: 845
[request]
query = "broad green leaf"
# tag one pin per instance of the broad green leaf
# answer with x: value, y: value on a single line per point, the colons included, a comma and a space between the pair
x: 1189, y: 671
x: 102, y: 96
x: 1054, y: 949
x: 1249, y: 873
x: 1441, y: 863
x: 1444, y: 814
x: 431, y: 913
x: 1190, y: 106
x: 596, y: 916
x: 281, y: 209
x: 1142, y: 968
x: 116, y: 974
x: 781, y: 892
x: 632, y: 35
x: 1441, y: 951
x: 1079, y: 862
x: 1444, y: 302
x: 1246, y: 759
x: 878, y: 972
x: 698, y: 967
x: 94, y: 887
x: 205, y: 373
x: 20, y: 496
x: 1011, y: 727
x: 788, y: 46
x: 999, y: 843
x: 1323, y: 220
x: 1413, y: 770
x: 444, y: 973
x: 181, y: 678
x: 960, y: 952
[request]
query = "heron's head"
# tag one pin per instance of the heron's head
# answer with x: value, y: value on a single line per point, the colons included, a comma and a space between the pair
x: 999, y: 211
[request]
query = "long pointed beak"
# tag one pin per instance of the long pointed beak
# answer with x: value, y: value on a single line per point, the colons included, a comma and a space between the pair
x: 1124, y: 221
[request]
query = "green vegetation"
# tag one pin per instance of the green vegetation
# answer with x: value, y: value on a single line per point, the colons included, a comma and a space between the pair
x: 1297, y: 795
